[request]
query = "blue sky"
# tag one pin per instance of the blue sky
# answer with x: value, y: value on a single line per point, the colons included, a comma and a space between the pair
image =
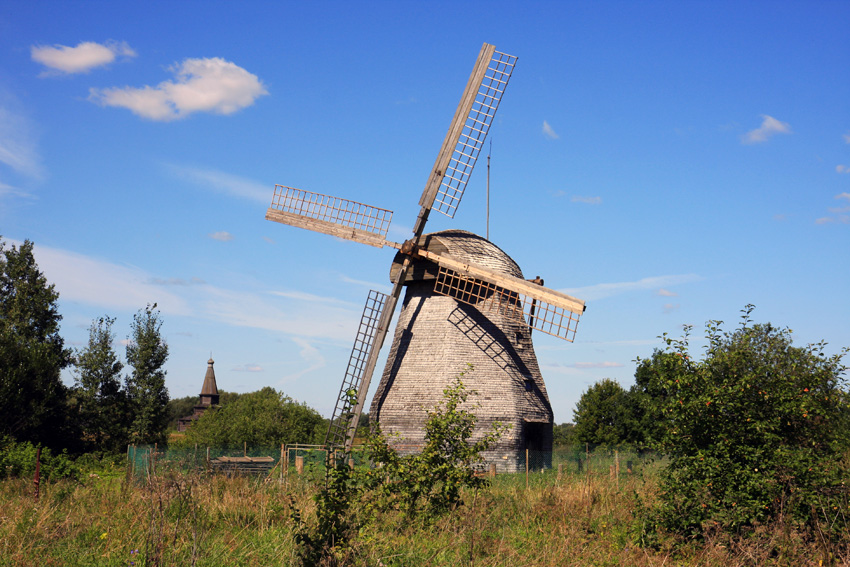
x: 668, y: 162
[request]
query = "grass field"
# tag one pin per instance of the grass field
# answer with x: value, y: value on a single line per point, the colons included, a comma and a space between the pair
x: 196, y: 519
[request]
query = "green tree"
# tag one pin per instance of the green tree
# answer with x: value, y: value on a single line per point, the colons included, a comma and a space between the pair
x: 146, y: 355
x: 563, y: 435
x: 102, y: 407
x: 32, y: 354
x: 755, y: 432
x: 265, y: 418
x: 603, y: 415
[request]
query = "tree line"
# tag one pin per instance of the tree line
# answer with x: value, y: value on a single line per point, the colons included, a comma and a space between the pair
x: 104, y: 409
x: 111, y: 405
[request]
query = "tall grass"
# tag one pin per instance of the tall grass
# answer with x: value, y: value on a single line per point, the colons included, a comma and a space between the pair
x: 181, y: 518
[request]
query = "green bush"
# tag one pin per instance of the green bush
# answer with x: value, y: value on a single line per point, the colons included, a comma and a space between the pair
x: 756, y: 432
x: 18, y: 460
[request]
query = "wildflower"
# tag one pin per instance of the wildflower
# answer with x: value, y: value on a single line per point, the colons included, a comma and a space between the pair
x: 103, y: 535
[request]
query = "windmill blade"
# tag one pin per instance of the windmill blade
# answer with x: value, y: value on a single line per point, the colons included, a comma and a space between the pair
x: 468, y: 130
x: 543, y: 309
x: 346, y: 413
x: 330, y: 215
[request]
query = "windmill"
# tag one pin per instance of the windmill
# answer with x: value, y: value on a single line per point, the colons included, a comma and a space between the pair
x: 472, y: 275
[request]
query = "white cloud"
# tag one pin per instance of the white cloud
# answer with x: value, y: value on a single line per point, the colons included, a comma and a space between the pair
x: 18, y: 147
x: 605, y: 364
x: 603, y: 290
x: 309, y: 354
x: 251, y: 367
x: 843, y: 196
x: 107, y: 286
x: 8, y: 190
x: 309, y: 297
x: 847, y: 138
x: 221, y: 236
x: 549, y: 132
x: 87, y: 280
x: 842, y: 169
x: 670, y: 307
x: 586, y: 200
x: 80, y: 59
x: 769, y: 127
x: 225, y: 183
x: 200, y: 85
x: 666, y: 293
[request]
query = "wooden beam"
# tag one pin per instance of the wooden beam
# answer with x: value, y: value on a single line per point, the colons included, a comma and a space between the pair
x: 505, y: 281
x: 325, y: 227
x: 456, y: 126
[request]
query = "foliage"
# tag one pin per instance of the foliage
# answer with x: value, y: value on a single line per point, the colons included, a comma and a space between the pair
x: 32, y: 354
x: 17, y: 459
x: 755, y: 432
x: 265, y: 418
x: 146, y: 355
x: 182, y: 407
x: 425, y: 485
x: 603, y: 415
x: 564, y: 434
x: 102, y: 406
x: 430, y: 482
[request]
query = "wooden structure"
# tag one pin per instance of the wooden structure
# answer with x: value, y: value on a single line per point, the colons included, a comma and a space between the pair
x: 242, y: 465
x: 207, y: 399
x: 485, y: 308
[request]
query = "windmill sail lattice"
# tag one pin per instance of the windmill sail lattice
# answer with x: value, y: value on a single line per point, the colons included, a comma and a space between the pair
x: 330, y: 215
x: 466, y: 138
x: 363, y: 344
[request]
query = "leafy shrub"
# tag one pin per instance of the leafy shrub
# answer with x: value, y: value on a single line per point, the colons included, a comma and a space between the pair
x: 755, y: 431
x: 18, y: 460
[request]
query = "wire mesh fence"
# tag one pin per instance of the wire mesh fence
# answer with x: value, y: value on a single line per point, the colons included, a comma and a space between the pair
x: 143, y: 461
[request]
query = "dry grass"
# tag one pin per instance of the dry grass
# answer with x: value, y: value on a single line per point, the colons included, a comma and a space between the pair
x: 190, y: 519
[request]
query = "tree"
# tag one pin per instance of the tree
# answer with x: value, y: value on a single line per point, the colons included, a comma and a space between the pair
x: 563, y: 435
x: 102, y: 409
x: 755, y: 432
x: 602, y: 415
x: 265, y: 418
x: 146, y: 355
x: 32, y: 354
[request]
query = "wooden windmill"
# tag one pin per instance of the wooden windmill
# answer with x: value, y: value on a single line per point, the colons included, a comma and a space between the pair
x: 481, y: 285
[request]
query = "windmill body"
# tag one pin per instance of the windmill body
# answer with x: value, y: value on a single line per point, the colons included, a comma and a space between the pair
x: 436, y: 337
x: 466, y: 300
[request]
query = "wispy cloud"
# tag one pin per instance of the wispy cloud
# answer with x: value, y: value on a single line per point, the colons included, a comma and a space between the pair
x: 61, y: 59
x: 671, y: 307
x: 107, y: 286
x: 842, y: 169
x: 666, y: 293
x: 586, y: 200
x: 549, y: 132
x: 847, y: 137
x: 251, y: 367
x: 586, y: 365
x: 224, y: 183
x: 309, y: 297
x: 840, y: 215
x: 18, y: 140
x: 199, y: 85
x: 96, y: 282
x: 603, y: 290
x: 770, y: 126
x: 221, y: 236
x: 309, y: 354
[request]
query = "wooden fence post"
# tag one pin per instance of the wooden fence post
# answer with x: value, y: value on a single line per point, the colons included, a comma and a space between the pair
x: 492, y: 470
x: 526, y: 469
x: 299, y: 464
x: 37, y: 479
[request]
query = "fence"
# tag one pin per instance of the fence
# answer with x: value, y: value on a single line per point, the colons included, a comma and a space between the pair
x: 144, y: 461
